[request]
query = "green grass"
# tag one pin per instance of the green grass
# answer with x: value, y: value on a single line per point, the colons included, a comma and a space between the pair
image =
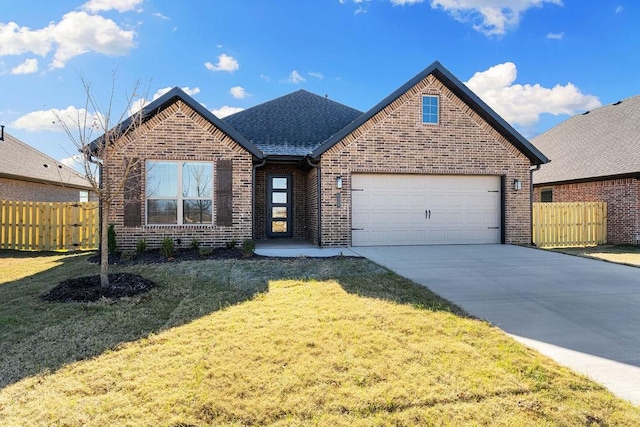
x: 620, y: 254
x: 289, y: 342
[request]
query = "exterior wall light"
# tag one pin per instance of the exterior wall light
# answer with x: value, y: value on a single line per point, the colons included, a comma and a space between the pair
x: 339, y: 183
x: 517, y: 184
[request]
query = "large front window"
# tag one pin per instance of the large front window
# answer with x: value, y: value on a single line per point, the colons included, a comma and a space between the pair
x: 179, y: 193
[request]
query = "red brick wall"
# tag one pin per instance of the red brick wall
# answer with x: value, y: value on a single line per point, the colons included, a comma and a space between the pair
x: 12, y: 189
x: 623, y: 204
x: 396, y: 141
x: 179, y: 133
x: 312, y: 207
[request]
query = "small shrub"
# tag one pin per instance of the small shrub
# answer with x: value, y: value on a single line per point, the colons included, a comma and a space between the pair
x: 111, y: 239
x: 167, y: 247
x: 128, y: 255
x: 205, y: 251
x: 248, y: 247
x: 141, y: 246
x: 195, y: 244
x: 232, y: 244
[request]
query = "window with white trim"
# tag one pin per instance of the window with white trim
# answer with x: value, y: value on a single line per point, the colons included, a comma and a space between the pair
x: 179, y: 193
x: 430, y: 109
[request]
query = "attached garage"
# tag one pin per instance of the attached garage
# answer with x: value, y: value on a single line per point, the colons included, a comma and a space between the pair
x: 402, y: 209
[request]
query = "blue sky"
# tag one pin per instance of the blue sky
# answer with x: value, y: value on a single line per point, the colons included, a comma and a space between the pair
x: 536, y: 62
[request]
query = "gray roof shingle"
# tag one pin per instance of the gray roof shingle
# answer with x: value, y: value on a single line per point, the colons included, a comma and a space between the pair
x: 601, y: 143
x: 294, y: 124
x: 23, y: 162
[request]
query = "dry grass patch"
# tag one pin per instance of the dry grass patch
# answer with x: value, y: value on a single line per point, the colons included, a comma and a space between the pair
x: 328, y: 342
x: 620, y: 254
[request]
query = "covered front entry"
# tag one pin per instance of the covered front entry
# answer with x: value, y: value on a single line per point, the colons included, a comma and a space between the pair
x: 401, y: 209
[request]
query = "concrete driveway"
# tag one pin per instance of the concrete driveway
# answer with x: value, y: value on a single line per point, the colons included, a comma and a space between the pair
x: 583, y: 313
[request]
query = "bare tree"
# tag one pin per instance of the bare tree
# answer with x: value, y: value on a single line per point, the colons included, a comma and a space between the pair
x: 100, y: 155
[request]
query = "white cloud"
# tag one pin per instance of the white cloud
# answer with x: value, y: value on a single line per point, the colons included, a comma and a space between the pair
x: 555, y: 36
x: 295, y: 77
x: 490, y: 17
x: 80, y: 33
x: 161, y: 16
x: 29, y: 66
x: 620, y: 9
x: 226, y: 111
x: 265, y: 77
x: 361, y: 6
x: 95, y: 6
x: 16, y: 40
x: 238, y: 92
x: 76, y: 33
x: 523, y: 104
x: 49, y: 120
x: 317, y: 75
x: 225, y: 63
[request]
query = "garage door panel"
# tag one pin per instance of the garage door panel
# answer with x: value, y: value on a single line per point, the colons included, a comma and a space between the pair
x: 425, y: 209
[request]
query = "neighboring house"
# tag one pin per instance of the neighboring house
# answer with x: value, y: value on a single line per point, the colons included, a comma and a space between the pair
x: 26, y: 174
x: 595, y: 156
x: 429, y: 164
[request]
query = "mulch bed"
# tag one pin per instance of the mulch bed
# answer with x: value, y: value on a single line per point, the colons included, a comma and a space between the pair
x: 88, y: 289
x: 156, y: 257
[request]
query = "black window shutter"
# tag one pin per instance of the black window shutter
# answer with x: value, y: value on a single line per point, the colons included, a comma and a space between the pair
x: 132, y: 192
x: 224, y: 193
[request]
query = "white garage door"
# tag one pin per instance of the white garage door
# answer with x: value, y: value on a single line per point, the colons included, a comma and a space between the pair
x: 425, y: 209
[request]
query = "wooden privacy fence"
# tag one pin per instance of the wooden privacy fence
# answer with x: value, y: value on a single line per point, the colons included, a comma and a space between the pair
x: 569, y: 224
x: 41, y: 226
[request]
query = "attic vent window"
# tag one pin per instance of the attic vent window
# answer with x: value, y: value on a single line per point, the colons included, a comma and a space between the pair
x: 45, y: 165
x: 430, y: 109
x: 585, y: 113
x: 617, y: 103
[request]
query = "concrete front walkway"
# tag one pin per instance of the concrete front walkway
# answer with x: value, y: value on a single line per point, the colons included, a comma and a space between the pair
x: 583, y: 313
x: 289, y: 248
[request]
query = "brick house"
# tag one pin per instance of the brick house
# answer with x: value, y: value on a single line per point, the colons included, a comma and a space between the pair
x: 26, y: 174
x: 595, y: 156
x: 430, y: 164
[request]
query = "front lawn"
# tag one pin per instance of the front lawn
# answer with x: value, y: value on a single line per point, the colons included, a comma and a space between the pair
x: 620, y: 254
x: 330, y: 342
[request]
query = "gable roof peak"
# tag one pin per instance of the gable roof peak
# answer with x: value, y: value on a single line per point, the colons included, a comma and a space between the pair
x: 176, y: 93
x: 460, y: 90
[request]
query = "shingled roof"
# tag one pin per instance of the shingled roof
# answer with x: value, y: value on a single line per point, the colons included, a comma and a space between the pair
x: 293, y: 124
x: 22, y: 162
x: 601, y: 143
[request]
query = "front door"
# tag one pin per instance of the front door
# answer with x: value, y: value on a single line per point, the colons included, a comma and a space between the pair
x: 279, y: 206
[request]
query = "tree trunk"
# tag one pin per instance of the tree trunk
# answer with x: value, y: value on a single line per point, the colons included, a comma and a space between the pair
x: 104, y: 246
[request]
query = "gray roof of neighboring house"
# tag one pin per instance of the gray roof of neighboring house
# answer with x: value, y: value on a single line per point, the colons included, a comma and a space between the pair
x: 460, y: 90
x: 604, y: 142
x: 22, y: 162
x: 294, y: 124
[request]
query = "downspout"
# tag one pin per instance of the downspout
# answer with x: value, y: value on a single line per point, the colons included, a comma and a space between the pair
x: 531, y: 171
x: 319, y: 186
x: 253, y: 195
